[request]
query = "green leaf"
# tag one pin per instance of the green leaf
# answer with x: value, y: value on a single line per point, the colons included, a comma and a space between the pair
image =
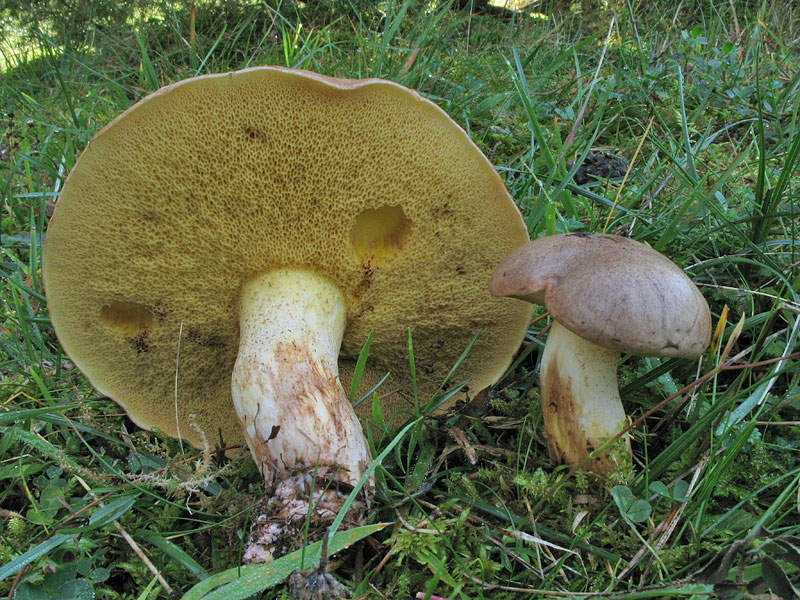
x: 727, y: 590
x: 33, y: 413
x: 371, y: 393
x: 106, y: 514
x: 777, y: 580
x: 630, y: 508
x: 54, y: 587
x: 791, y: 549
x: 359, y: 370
x: 42, y: 445
x: 639, y: 511
x: 174, y: 551
x: 146, y: 591
x: 677, y: 493
x: 458, y: 363
x: 716, y: 570
x: 437, y: 565
x: 422, y: 466
x: 100, y: 574
x: 243, y: 582
x: 49, y: 500
x: 680, y: 491
x: 623, y: 496
x: 669, y: 591
x: 377, y: 411
x: 656, y: 487
x: 20, y: 469
x: 36, y: 552
x: 112, y: 511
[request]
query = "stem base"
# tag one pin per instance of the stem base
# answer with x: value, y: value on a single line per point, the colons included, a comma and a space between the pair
x: 279, y: 519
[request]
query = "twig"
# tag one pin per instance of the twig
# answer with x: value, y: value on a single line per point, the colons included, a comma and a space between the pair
x: 15, y: 583
x: 10, y: 514
x: 131, y: 542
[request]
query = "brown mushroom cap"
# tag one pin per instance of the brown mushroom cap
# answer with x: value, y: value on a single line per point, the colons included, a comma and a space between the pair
x: 611, y: 291
x: 208, y: 182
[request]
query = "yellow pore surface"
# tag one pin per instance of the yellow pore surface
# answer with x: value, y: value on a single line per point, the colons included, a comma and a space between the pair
x: 208, y: 182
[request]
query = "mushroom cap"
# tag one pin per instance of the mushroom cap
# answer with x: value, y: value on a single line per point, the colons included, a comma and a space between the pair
x: 206, y: 183
x: 611, y: 291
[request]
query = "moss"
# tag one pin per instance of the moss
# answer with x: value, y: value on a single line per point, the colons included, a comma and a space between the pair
x: 19, y: 530
x: 536, y: 484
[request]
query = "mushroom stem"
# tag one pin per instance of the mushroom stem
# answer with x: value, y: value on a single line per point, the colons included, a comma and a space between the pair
x: 580, y: 400
x: 298, y: 422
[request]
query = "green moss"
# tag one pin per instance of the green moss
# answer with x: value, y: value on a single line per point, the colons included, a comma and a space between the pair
x: 536, y: 485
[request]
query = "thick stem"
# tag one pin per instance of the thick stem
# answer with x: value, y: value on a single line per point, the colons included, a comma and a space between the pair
x: 296, y: 418
x: 580, y: 400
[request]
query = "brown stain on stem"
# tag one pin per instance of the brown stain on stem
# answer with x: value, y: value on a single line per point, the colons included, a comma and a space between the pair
x: 567, y: 441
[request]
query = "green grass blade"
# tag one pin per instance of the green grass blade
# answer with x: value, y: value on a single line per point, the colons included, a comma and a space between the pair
x: 359, y: 368
x: 243, y: 582
x: 37, y: 551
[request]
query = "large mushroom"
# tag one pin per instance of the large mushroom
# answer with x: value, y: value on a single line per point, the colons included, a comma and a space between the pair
x: 221, y: 251
x: 607, y: 294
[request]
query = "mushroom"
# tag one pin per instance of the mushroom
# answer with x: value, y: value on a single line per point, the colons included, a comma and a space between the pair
x: 221, y: 251
x: 607, y: 294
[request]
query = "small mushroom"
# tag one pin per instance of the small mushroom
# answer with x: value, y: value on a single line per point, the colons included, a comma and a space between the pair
x: 221, y: 251
x: 607, y: 294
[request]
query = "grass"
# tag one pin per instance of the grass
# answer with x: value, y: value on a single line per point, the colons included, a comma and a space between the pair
x: 705, y: 96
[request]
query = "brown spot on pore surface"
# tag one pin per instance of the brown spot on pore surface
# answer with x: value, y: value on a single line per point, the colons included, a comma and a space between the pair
x: 206, y: 340
x: 256, y: 134
x: 366, y: 279
x: 139, y: 343
x: 160, y: 311
x: 364, y: 308
x: 151, y: 216
x: 442, y: 212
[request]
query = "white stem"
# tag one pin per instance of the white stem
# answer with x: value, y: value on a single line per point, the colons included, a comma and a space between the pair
x: 298, y: 422
x: 580, y: 400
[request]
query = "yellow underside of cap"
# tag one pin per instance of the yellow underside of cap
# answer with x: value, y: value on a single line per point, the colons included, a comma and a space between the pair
x: 206, y: 183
